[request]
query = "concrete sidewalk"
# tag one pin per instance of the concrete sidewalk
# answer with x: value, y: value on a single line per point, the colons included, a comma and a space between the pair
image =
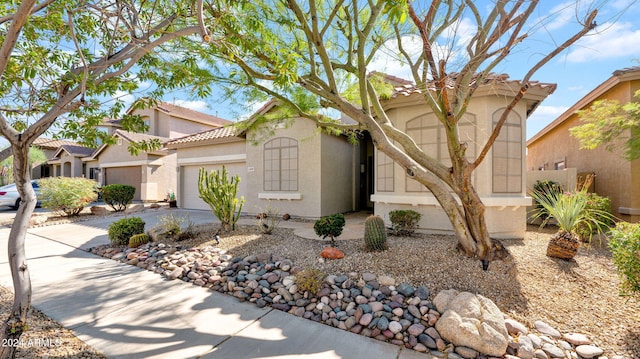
x: 126, y: 312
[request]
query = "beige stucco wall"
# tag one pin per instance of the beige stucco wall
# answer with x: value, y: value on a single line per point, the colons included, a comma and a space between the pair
x: 616, y: 177
x: 158, y: 172
x: 505, y: 213
x: 73, y: 164
x: 165, y: 125
x: 323, y: 187
x: 337, y: 172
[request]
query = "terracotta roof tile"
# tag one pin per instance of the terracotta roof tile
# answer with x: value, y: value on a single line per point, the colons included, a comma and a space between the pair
x: 78, y: 150
x: 137, y: 137
x: 217, y: 133
x: 51, y: 144
x: 409, y: 89
x: 184, y: 112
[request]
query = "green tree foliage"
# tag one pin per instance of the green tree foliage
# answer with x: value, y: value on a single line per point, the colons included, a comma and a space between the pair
x: 69, y: 62
x: 625, y: 250
x: 219, y: 191
x: 610, y: 124
x: 117, y: 196
x: 314, y: 57
x: 67, y: 195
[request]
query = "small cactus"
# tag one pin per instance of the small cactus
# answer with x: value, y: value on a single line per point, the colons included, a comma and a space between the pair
x: 138, y: 239
x: 375, y: 233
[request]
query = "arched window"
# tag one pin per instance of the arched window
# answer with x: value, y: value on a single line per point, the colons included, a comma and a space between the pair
x: 429, y: 134
x: 281, y: 165
x: 507, y: 155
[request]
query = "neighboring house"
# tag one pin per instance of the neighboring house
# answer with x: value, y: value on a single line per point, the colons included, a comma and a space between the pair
x: 153, y: 173
x: 553, y: 148
x: 307, y: 174
x: 50, y: 147
x: 67, y: 161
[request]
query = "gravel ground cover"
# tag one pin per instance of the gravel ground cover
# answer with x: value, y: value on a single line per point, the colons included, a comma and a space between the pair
x: 575, y: 296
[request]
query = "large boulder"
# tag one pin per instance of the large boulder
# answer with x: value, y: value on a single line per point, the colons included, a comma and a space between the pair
x: 472, y: 321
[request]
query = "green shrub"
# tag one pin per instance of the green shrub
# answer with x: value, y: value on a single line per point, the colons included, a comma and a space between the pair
x: 310, y: 280
x: 548, y: 191
x: 404, y: 221
x: 330, y: 226
x: 375, y: 233
x: 122, y: 230
x: 625, y: 250
x: 138, y: 239
x: 67, y: 195
x: 219, y: 192
x: 118, y: 196
x: 600, y: 204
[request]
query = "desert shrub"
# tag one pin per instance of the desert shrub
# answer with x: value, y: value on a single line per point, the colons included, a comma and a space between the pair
x: 547, y: 191
x: 118, y: 196
x: 404, y: 221
x: 219, y: 191
x: 600, y: 204
x: 625, y: 250
x: 122, y: 230
x: 170, y: 225
x: 310, y: 280
x: 330, y: 226
x: 268, y: 220
x: 67, y: 195
x: 138, y: 239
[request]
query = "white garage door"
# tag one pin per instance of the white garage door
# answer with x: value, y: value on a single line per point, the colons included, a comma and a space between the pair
x: 189, y: 196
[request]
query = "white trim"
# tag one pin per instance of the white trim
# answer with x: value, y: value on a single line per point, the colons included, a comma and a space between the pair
x: 427, y: 200
x: 125, y: 164
x: 629, y: 210
x: 280, y: 196
x: 241, y: 157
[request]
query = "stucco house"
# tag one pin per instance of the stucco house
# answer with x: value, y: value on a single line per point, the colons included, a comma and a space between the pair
x: 553, y: 148
x: 49, y: 147
x: 309, y: 174
x: 153, y: 173
x: 297, y: 170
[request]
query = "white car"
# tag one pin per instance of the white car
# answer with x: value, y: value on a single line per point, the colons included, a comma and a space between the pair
x: 9, y: 195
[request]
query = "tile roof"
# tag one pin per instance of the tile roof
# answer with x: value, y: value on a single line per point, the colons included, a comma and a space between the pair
x: 409, y: 89
x: 215, y: 134
x: 78, y: 150
x: 51, y: 144
x: 137, y: 137
x: 187, y: 113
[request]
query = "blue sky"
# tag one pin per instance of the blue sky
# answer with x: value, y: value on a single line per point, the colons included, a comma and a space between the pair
x: 614, y: 44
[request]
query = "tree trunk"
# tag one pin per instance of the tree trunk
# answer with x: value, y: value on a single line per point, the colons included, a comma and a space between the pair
x: 15, y: 324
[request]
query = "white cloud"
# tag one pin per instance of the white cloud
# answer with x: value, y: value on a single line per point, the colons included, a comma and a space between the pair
x: 543, y: 116
x: 197, y: 105
x: 609, y: 41
x: 558, y: 16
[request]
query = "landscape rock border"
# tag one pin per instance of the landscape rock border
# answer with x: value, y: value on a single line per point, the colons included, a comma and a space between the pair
x: 362, y: 303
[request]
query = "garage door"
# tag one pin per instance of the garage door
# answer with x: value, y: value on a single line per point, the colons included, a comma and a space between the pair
x: 189, y: 197
x: 125, y: 175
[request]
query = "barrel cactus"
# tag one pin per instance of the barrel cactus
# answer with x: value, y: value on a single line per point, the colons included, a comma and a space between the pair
x: 375, y: 233
x: 138, y: 239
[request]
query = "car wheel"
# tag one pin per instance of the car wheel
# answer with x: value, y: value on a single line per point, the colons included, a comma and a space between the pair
x: 17, y: 205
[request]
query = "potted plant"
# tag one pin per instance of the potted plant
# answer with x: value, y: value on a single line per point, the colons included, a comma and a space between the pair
x: 570, y: 211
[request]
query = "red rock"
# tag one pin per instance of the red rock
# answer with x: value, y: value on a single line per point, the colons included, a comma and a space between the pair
x: 332, y: 253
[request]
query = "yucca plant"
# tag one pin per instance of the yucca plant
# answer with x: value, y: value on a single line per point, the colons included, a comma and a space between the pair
x: 570, y: 212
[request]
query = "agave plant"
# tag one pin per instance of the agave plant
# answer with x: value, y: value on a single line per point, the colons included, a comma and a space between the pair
x: 570, y: 212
